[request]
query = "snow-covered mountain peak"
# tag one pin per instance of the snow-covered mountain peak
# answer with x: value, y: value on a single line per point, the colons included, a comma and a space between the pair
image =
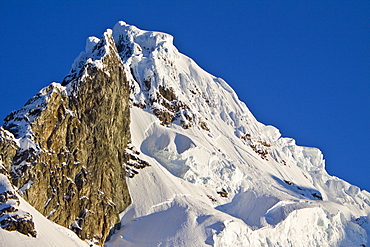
x: 129, y: 38
x: 182, y: 96
x: 95, y: 50
x: 201, y: 170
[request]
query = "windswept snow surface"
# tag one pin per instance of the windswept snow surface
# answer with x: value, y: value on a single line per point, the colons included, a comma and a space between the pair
x: 236, y: 182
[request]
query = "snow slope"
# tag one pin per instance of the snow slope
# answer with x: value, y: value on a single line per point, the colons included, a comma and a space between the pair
x: 218, y: 176
x: 48, y: 233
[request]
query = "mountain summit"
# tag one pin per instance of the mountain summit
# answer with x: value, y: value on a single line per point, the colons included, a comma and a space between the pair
x: 138, y: 146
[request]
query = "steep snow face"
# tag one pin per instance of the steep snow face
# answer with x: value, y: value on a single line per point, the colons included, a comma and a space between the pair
x: 218, y: 176
x: 173, y: 86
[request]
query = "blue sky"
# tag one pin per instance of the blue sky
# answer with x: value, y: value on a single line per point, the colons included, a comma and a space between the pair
x: 302, y: 66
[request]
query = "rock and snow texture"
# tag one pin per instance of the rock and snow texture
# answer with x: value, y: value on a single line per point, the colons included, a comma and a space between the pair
x: 202, y: 171
x: 12, y: 217
x: 21, y: 224
x: 48, y: 233
x: 72, y: 145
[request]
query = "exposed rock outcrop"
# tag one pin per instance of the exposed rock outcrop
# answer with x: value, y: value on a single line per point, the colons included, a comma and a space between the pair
x: 73, y: 138
x: 12, y: 218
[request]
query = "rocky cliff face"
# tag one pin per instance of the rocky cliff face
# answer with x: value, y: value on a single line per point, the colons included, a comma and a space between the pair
x: 70, y: 165
x: 12, y: 218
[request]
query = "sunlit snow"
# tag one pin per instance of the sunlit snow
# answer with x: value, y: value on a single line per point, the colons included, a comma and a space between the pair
x: 277, y: 193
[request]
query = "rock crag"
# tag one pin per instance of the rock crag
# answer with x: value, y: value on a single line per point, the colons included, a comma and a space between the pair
x: 12, y: 218
x: 70, y: 165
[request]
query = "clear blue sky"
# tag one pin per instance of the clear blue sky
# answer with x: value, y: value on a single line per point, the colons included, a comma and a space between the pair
x: 302, y: 66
